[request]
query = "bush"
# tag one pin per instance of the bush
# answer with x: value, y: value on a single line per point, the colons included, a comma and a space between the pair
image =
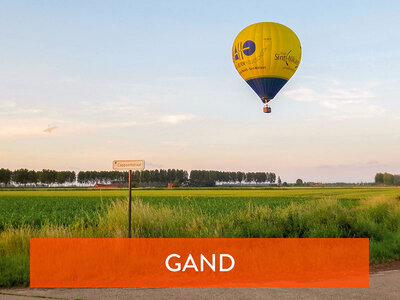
x: 176, y: 183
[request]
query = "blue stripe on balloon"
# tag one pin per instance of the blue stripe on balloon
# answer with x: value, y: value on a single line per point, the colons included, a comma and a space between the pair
x: 266, y: 87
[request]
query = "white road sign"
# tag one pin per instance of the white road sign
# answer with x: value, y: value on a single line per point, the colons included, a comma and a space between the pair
x: 136, y: 165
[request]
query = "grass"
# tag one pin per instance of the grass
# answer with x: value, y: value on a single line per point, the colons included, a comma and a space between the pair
x: 249, y: 213
x: 69, y: 206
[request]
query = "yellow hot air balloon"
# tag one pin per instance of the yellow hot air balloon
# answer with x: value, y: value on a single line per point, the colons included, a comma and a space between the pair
x: 266, y: 55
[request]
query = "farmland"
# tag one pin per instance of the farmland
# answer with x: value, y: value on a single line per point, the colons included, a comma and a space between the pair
x: 372, y: 212
x: 66, y: 207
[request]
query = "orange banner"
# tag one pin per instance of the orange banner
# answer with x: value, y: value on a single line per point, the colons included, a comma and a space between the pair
x: 182, y: 262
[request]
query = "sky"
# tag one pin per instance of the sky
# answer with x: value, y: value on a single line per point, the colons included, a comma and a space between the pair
x: 154, y: 80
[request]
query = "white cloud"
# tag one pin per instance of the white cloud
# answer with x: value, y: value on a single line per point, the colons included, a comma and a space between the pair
x: 301, y: 95
x: 7, y: 105
x: 109, y: 125
x: 122, y: 104
x: 143, y: 112
x: 175, y: 119
x: 8, y: 108
x: 335, y: 82
x: 342, y: 102
x: 17, y: 122
x: 353, y: 93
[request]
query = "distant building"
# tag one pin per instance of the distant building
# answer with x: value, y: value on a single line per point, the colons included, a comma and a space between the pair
x: 170, y: 185
x: 316, y: 184
x: 108, y: 186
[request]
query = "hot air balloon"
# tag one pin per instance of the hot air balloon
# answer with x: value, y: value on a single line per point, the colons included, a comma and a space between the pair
x: 266, y: 55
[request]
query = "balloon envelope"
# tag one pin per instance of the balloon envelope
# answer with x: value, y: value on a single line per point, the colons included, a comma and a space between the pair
x: 266, y: 55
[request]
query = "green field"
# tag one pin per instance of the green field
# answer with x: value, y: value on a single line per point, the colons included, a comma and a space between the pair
x: 67, y: 207
x: 372, y: 212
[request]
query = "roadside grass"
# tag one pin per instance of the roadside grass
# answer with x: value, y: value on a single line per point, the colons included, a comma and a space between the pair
x: 377, y: 218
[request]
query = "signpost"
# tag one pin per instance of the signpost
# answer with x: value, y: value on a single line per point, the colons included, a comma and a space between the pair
x: 123, y: 165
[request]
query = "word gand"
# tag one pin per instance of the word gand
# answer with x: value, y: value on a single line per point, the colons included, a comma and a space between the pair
x: 174, y: 263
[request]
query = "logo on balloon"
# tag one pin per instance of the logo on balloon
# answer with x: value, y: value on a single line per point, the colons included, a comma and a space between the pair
x: 247, y: 48
x: 287, y: 58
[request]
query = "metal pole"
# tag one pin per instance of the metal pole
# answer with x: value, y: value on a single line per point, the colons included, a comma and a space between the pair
x: 130, y: 203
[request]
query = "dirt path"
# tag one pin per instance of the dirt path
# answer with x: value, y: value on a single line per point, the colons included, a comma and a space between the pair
x: 387, y: 266
x: 384, y: 284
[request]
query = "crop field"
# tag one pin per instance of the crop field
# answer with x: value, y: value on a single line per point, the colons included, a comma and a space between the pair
x: 372, y: 212
x: 67, y: 207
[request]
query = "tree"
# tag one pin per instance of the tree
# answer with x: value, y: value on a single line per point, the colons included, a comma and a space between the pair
x: 185, y: 176
x: 299, y: 182
x: 181, y: 176
x: 260, y: 177
x: 396, y: 179
x: 72, y: 176
x: 379, y: 178
x: 279, y: 180
x: 146, y: 176
x: 48, y: 176
x: 32, y: 177
x: 272, y: 177
x: 82, y: 177
x: 21, y: 176
x: 232, y: 177
x: 65, y: 176
x: 5, y: 176
x: 250, y: 176
x: 240, y: 176
x: 206, y: 178
x: 388, y: 179
x: 136, y: 177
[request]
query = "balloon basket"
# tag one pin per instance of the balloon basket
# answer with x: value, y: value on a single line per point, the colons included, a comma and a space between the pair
x: 267, y: 109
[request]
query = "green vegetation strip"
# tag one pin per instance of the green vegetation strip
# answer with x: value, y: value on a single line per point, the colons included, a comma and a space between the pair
x: 278, y: 213
x: 68, y: 207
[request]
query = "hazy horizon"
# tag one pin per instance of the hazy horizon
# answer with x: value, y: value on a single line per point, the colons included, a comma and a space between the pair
x: 155, y: 81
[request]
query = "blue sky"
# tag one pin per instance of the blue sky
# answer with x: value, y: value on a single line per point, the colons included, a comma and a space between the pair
x: 154, y: 80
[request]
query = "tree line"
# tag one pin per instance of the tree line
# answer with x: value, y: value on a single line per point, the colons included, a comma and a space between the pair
x: 139, y: 178
x: 210, y: 178
x: 145, y: 177
x: 25, y: 176
x: 387, y: 179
